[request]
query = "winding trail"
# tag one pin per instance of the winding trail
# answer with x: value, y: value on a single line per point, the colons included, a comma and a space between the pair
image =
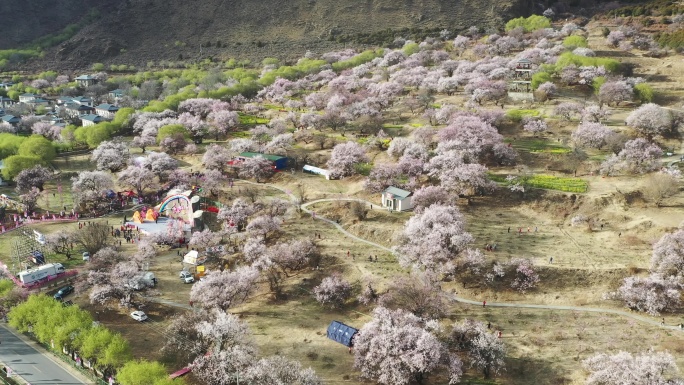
x: 305, y: 206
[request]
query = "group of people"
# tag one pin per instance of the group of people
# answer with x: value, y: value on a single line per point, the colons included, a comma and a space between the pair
x: 520, y: 230
x: 126, y: 232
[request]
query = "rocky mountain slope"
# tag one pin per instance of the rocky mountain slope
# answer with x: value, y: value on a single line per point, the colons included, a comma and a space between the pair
x: 137, y: 31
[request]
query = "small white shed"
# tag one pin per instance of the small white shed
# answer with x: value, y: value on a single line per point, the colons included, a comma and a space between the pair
x: 317, y: 171
x: 397, y: 199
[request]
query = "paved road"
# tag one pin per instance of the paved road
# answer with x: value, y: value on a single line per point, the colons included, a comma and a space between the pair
x: 30, y: 364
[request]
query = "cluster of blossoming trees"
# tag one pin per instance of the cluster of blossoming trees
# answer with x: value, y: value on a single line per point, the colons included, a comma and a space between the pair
x: 403, y: 343
x: 661, y: 291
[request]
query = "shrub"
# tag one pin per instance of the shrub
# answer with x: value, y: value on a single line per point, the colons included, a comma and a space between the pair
x: 529, y: 24
x: 363, y: 57
x: 363, y: 168
x: 171, y: 130
x: 575, y: 41
x: 39, y: 147
x: 94, y: 135
x: 643, y: 92
x: 569, y: 58
x: 359, y: 210
x: 518, y: 115
x: 674, y: 40
x: 411, y: 48
x: 16, y: 163
x: 143, y: 373
x: 303, y: 67
x: 597, y: 83
x: 540, y: 78
x: 9, y: 144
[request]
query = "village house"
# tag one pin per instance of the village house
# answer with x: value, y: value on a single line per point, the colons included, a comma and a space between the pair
x: 396, y: 199
x: 74, y: 110
x: 11, y: 119
x: 6, y: 102
x: 6, y: 85
x: 27, y: 98
x: 106, y: 111
x: 91, y: 120
x: 115, y: 95
x: 57, y: 121
x: 83, y: 100
x: 39, y: 102
x: 85, y: 81
x: 63, y: 100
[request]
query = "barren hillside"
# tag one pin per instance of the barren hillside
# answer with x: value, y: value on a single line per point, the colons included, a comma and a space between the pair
x: 137, y: 31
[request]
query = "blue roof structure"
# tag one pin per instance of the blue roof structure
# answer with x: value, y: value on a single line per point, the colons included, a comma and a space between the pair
x: 10, y: 119
x: 339, y: 332
x: 107, y: 107
x: 92, y: 118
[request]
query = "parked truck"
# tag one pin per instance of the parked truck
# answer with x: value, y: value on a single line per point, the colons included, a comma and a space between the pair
x: 34, y: 275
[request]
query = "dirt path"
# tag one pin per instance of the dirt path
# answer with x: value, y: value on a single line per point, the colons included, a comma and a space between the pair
x: 454, y: 297
x: 337, y: 225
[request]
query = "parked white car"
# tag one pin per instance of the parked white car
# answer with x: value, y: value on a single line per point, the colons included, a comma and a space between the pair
x: 139, y: 315
x: 186, y: 277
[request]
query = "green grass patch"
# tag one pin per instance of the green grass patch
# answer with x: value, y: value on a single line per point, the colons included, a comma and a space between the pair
x: 548, y: 182
x: 363, y: 168
x: 518, y: 115
x: 251, y: 119
x: 568, y: 58
x: 240, y: 135
x: 269, y: 106
x: 537, y: 146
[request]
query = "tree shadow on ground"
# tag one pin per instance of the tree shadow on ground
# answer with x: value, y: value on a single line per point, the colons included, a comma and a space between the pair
x: 526, y: 370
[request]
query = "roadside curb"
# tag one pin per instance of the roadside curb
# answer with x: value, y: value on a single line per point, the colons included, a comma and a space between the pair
x: 15, y: 378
